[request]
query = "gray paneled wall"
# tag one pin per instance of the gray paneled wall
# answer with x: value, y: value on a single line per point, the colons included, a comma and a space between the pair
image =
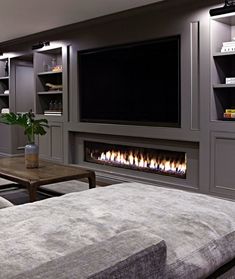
x: 198, y: 108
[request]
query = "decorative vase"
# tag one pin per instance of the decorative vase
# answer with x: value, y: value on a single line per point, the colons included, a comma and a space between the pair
x: 31, y: 156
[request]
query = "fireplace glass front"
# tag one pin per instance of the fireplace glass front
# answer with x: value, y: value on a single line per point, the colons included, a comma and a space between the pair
x: 163, y: 162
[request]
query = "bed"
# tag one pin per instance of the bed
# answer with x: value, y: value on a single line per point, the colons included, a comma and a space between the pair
x: 128, y: 230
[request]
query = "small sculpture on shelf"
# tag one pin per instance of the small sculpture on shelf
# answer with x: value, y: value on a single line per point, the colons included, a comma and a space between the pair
x: 228, y: 46
x: 53, y: 63
x: 54, y: 86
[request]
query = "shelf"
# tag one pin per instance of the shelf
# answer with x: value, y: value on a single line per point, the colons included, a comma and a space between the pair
x: 219, y: 86
x: 222, y: 67
x: 4, y: 78
x: 228, y: 19
x: 56, y: 118
x: 50, y: 92
x: 221, y: 125
x: 49, y: 81
x: 52, y: 114
x: 226, y: 119
x: 219, y: 54
x: 4, y: 95
x: 49, y: 73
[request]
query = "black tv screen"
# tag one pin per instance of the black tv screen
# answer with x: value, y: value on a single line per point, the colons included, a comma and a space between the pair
x: 136, y: 83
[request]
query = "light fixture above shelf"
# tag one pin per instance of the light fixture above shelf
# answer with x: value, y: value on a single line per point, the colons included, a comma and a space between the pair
x: 229, y: 7
x: 40, y: 45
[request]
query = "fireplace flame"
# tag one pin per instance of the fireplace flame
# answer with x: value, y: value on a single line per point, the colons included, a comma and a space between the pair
x: 175, y: 166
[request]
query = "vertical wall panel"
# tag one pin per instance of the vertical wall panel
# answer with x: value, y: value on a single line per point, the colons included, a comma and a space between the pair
x: 5, y: 139
x: 44, y: 145
x: 24, y: 88
x: 57, y: 142
x: 194, y: 39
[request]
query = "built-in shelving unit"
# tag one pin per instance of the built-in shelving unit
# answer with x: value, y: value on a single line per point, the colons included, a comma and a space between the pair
x: 51, y: 97
x: 49, y: 82
x: 223, y: 66
x: 222, y: 105
x: 4, y: 84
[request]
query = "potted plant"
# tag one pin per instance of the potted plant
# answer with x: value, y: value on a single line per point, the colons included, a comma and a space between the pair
x: 31, y: 127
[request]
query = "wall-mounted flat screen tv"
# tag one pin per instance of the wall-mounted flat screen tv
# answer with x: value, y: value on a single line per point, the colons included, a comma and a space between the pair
x: 134, y: 84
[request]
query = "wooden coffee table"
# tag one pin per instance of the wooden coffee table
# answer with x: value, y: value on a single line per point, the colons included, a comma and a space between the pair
x: 13, y: 169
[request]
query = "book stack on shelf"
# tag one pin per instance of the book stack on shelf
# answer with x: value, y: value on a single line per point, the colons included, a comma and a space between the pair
x: 53, y: 112
x: 5, y: 110
x: 54, y: 87
x: 230, y: 80
x: 229, y: 114
x: 228, y: 46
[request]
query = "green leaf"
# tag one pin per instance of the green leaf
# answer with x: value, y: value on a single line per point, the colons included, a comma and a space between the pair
x: 31, y: 126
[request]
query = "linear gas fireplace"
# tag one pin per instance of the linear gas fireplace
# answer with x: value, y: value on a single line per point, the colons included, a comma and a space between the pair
x: 163, y: 162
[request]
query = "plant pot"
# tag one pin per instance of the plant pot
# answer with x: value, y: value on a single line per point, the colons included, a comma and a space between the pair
x: 31, y: 156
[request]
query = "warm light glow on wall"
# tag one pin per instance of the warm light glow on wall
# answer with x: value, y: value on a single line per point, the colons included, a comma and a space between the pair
x: 9, y: 55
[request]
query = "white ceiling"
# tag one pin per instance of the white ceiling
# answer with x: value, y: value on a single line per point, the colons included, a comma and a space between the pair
x: 20, y: 18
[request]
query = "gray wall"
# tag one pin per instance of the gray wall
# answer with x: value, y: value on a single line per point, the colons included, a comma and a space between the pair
x: 192, y: 22
x: 193, y: 26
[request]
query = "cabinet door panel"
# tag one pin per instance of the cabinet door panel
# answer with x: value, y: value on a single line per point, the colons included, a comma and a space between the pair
x: 51, y: 144
x: 57, y: 142
x: 222, y: 171
x: 44, y: 145
x: 5, y: 139
x: 19, y: 138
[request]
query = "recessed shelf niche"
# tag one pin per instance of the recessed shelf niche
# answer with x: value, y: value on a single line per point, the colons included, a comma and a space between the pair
x: 4, y: 84
x: 223, y: 66
x: 49, y: 82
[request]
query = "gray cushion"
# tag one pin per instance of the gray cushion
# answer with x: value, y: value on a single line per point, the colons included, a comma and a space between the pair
x: 195, y: 227
x: 5, y: 203
x: 131, y: 254
x: 199, y: 263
